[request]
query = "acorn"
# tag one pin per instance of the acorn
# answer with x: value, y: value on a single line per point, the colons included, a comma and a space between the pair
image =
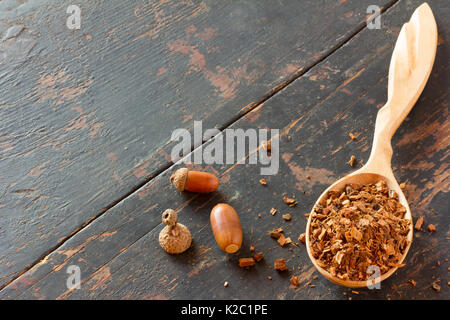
x: 175, y: 237
x: 226, y: 227
x: 194, y: 181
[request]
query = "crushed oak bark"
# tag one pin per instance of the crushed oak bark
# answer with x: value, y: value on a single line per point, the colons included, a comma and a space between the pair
x: 280, y: 264
x: 258, y: 256
x: 246, y: 262
x: 419, y: 223
x: 289, y: 201
x: 359, y: 227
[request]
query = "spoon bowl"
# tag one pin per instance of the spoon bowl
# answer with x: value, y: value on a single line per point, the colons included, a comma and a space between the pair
x: 362, y: 178
x: 409, y: 70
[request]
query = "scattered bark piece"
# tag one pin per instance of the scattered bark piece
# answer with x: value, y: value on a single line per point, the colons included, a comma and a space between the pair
x: 436, y: 287
x: 295, y: 281
x: 289, y: 201
x: 287, y: 217
x: 259, y: 215
x: 352, y: 136
x: 280, y: 264
x: 438, y: 263
x: 269, y: 277
x: 308, y: 177
x: 302, y: 238
x: 431, y: 228
x: 258, y: 256
x: 352, y: 161
x: 276, y: 233
x: 355, y: 292
x: 307, y: 215
x: 419, y: 223
x: 225, y: 284
x: 282, y: 240
x: 414, y: 283
x: 403, y: 185
x: 263, y: 182
x: 273, y: 211
x: 315, y: 277
x: 246, y: 262
x: 252, y: 248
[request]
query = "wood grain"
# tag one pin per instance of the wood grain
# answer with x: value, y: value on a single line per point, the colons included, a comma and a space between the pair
x: 119, y: 255
x: 87, y: 114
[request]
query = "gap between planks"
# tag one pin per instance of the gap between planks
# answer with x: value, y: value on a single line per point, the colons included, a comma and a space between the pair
x: 273, y: 91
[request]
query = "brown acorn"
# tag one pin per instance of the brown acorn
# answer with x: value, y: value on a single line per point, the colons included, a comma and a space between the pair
x: 194, y: 181
x: 226, y: 227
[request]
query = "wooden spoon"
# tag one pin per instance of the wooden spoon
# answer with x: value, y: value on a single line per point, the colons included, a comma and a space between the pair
x: 410, y: 67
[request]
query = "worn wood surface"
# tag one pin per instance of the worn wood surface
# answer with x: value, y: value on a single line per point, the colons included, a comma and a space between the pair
x: 87, y: 114
x: 118, y: 253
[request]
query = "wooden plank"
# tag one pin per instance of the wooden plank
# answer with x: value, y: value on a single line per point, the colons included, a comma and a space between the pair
x: 87, y: 114
x: 119, y: 256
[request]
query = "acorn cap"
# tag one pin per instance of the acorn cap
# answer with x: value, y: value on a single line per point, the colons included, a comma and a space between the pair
x: 175, y: 237
x: 179, y: 178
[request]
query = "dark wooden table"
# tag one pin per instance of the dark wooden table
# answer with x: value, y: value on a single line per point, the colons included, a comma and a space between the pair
x: 86, y: 121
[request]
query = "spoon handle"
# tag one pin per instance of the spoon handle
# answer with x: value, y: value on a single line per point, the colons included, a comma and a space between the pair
x: 410, y: 67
